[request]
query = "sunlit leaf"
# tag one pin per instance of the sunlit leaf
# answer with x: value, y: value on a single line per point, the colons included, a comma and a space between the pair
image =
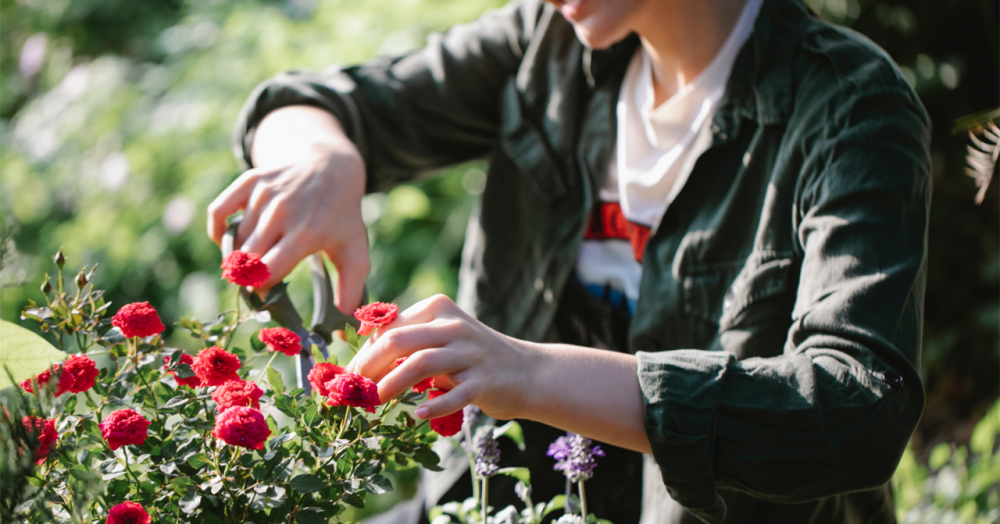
x: 24, y: 354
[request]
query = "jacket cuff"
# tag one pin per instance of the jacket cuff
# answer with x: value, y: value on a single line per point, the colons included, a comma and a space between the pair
x: 330, y: 90
x: 682, y: 391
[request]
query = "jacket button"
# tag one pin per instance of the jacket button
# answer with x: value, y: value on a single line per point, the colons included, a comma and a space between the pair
x: 539, y: 284
x: 892, y: 378
x: 548, y: 296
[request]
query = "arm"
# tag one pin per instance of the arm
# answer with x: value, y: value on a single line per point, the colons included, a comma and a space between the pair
x: 317, y: 142
x: 831, y: 415
x: 428, y: 109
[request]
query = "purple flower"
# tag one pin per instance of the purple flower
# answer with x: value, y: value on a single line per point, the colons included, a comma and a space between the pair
x: 574, y: 456
x: 487, y: 451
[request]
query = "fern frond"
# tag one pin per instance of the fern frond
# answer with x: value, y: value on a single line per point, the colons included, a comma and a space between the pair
x: 982, y: 157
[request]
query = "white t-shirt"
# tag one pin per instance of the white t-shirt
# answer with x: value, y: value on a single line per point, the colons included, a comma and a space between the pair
x: 655, y: 152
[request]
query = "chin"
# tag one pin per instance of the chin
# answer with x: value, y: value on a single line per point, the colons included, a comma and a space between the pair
x: 598, y: 39
x: 599, y: 24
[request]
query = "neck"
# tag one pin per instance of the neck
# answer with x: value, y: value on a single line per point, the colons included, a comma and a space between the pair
x: 682, y: 37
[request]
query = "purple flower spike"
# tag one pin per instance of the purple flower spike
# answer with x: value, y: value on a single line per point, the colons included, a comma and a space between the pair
x: 487, y: 451
x: 574, y: 456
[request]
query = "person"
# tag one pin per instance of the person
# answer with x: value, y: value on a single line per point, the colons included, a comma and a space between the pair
x: 730, y: 195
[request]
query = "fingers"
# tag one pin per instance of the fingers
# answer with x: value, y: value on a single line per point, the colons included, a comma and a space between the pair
x: 422, y: 364
x: 448, y: 403
x: 374, y: 359
x: 352, y: 272
x: 282, y: 258
x: 231, y: 200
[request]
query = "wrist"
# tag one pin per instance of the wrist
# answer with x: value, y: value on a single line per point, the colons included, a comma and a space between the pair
x: 295, y: 134
x: 538, y: 367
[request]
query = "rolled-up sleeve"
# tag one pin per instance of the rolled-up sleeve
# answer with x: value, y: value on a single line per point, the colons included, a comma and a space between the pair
x: 834, y: 411
x: 425, y: 110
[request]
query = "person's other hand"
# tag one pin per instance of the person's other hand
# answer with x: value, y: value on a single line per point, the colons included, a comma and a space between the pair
x: 294, y: 210
x: 477, y: 364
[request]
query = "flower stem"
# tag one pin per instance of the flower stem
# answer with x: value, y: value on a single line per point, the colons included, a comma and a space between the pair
x: 583, y: 501
x: 467, y: 430
x: 268, y: 366
x: 127, y: 470
x: 486, y: 507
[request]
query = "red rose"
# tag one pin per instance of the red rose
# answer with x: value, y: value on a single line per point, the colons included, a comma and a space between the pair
x: 191, y: 382
x: 47, y: 436
x: 421, y: 386
x: 79, y: 374
x: 281, y: 339
x: 447, y: 425
x: 375, y: 315
x: 216, y: 366
x: 138, y: 319
x: 124, y: 426
x: 351, y: 389
x: 43, y: 379
x: 242, y: 426
x: 128, y: 513
x: 321, y: 374
x: 237, y: 393
x: 245, y: 269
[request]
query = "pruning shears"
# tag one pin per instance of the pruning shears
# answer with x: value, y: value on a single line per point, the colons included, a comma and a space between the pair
x: 326, y: 317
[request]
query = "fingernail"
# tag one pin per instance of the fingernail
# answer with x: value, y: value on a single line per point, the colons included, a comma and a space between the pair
x: 422, y: 412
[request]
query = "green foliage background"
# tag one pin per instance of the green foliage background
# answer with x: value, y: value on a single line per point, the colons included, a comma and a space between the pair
x: 114, y: 125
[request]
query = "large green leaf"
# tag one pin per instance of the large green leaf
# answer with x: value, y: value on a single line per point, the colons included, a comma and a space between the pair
x: 24, y: 353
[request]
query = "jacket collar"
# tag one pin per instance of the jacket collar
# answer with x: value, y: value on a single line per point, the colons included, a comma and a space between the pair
x: 760, y: 86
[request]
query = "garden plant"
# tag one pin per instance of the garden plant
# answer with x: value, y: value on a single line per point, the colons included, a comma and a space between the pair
x: 156, y: 433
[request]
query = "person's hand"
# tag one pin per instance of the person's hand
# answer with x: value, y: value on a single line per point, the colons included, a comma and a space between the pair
x: 479, y: 365
x: 293, y: 210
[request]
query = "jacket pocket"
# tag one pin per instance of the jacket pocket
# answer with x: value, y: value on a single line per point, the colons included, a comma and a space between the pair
x: 762, y: 292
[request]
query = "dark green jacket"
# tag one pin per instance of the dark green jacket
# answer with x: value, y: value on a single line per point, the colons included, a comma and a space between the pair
x: 778, y: 325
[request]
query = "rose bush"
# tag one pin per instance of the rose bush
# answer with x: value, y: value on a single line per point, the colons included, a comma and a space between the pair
x: 129, y: 430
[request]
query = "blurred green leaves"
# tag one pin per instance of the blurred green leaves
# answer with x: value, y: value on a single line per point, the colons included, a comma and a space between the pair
x: 115, y: 144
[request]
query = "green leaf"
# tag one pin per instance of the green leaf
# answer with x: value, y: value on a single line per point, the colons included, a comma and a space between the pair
x: 306, y: 483
x: 190, y: 502
x: 427, y: 458
x: 70, y: 406
x: 557, y: 502
x: 274, y: 378
x: 352, y: 337
x: 521, y: 474
x: 311, y: 515
x: 310, y: 415
x: 317, y: 354
x: 939, y: 456
x: 354, y: 499
x: 198, y: 461
x: 284, y: 403
x: 378, y: 485
x: 368, y: 469
x: 256, y: 343
x: 513, y: 431
x: 24, y: 354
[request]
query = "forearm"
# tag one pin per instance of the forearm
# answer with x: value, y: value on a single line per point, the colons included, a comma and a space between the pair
x: 294, y: 134
x: 591, y: 392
